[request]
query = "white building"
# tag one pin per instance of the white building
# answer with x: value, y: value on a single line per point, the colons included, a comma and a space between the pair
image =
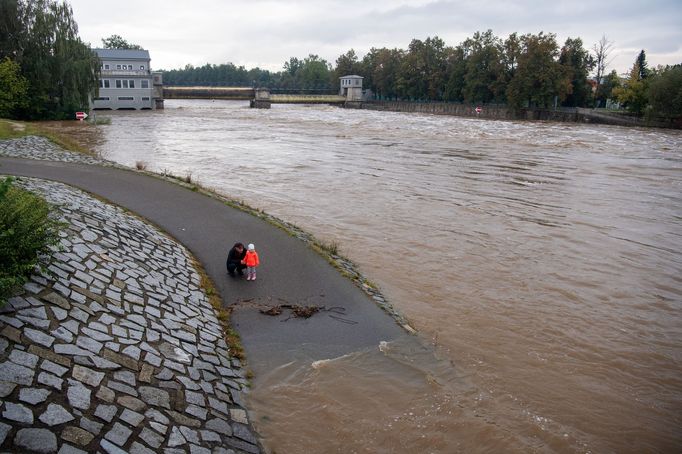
x: 351, y: 87
x: 126, y: 80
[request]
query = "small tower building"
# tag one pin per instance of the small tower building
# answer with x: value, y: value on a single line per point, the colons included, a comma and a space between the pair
x: 351, y: 87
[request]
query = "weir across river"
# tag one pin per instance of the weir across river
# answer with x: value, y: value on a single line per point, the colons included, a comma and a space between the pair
x: 259, y: 97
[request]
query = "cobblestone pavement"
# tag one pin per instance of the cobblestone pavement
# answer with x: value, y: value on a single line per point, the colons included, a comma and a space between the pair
x: 114, y: 348
x: 35, y: 147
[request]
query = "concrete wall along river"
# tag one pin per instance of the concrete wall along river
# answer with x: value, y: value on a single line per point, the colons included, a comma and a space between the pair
x: 540, y: 262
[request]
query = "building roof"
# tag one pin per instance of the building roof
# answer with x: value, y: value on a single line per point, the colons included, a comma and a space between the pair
x: 351, y: 77
x: 122, y: 54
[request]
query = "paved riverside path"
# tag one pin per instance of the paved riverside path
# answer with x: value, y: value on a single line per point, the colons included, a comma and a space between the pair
x: 290, y: 273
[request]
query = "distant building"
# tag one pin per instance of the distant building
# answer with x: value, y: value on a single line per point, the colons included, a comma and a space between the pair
x: 351, y: 87
x: 126, y: 81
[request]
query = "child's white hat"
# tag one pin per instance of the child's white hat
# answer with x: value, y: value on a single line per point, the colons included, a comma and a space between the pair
x: 251, y: 247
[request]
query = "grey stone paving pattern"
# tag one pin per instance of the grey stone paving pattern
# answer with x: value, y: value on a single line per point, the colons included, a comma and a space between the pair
x: 36, y: 147
x: 114, y: 347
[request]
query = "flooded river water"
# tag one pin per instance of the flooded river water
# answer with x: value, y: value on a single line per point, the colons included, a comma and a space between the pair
x: 540, y: 262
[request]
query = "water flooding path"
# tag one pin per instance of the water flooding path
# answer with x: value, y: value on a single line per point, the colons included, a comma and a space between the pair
x: 540, y: 262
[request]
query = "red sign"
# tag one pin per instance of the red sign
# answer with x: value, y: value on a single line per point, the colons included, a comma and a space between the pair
x: 478, y: 109
x: 81, y: 116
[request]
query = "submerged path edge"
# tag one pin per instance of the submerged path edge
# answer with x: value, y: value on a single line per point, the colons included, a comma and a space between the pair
x: 292, y: 272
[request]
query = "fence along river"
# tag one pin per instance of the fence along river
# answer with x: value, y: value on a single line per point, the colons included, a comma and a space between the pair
x: 540, y: 263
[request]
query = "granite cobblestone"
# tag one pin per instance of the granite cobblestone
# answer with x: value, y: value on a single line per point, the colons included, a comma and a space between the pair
x: 114, y: 347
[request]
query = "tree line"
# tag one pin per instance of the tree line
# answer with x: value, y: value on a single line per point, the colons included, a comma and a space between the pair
x: 530, y: 70
x: 46, y: 71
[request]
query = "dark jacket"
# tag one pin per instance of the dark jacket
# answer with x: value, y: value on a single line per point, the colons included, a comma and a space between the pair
x: 235, y: 257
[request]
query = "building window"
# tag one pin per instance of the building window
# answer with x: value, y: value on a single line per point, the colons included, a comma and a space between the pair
x: 125, y: 83
x: 118, y: 83
x: 142, y: 67
x: 145, y: 98
x: 144, y: 83
x: 102, y: 98
x: 125, y: 98
x: 118, y: 66
x: 106, y: 66
x: 106, y: 83
x: 132, y: 84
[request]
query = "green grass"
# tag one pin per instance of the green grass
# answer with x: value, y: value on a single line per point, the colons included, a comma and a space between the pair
x: 13, y: 129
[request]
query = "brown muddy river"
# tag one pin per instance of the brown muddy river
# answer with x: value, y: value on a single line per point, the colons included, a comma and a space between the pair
x: 540, y: 262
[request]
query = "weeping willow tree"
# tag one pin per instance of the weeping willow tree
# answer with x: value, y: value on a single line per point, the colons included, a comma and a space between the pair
x: 41, y: 36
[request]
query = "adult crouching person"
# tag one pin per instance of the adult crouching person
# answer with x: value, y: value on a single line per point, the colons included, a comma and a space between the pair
x: 234, y: 260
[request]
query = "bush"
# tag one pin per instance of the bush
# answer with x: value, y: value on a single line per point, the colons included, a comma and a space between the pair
x: 26, y: 232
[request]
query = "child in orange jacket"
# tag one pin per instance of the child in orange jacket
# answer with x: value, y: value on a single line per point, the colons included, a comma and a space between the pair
x: 251, y: 261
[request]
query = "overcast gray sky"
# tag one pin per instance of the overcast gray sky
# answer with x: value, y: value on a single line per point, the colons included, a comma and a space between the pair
x: 266, y: 33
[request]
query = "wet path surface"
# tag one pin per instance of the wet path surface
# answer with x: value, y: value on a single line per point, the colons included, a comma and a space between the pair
x: 290, y: 273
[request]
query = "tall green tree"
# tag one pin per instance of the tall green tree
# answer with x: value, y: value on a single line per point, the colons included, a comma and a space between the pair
x: 347, y: 64
x: 643, y: 65
x: 60, y: 69
x: 665, y: 93
x: 484, y: 78
x: 13, y: 87
x: 577, y: 63
x: 633, y: 93
x: 422, y: 72
x: 539, y: 78
x: 117, y: 42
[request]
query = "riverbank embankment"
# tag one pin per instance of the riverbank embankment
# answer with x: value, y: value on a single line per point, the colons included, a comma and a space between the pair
x: 501, y: 112
x: 114, y: 345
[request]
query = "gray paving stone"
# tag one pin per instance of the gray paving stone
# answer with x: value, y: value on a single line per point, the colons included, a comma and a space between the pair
x: 191, y: 435
x: 195, y: 398
x: 106, y: 412
x: 219, y: 425
x: 39, y: 337
x: 152, y: 359
x: 118, y: 386
x: 155, y: 415
x: 42, y: 441
x: 71, y: 325
x: 243, y: 432
x: 126, y: 377
x: 6, y: 388
x: 89, y: 344
x: 33, y: 395
x: 96, y: 335
x: 199, y: 412
x: 18, y: 413
x: 4, y: 430
x: 56, y: 369
x: 91, y: 426
x: 151, y: 438
x: 78, y: 395
x: 115, y: 346
x: 79, y: 314
x: 196, y: 449
x: 132, y: 351
x: 15, y: 373
x: 131, y: 417
x: 50, y: 380
x: 102, y: 363
x: 209, y: 436
x: 111, y: 448
x: 160, y: 428
x: 137, y: 448
x: 63, y: 334
x: 217, y: 405
x: 55, y: 414
x: 59, y: 313
x: 68, y: 449
x: 155, y: 397
x: 118, y: 434
x: 23, y: 359
x: 176, y: 438
x: 70, y: 349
